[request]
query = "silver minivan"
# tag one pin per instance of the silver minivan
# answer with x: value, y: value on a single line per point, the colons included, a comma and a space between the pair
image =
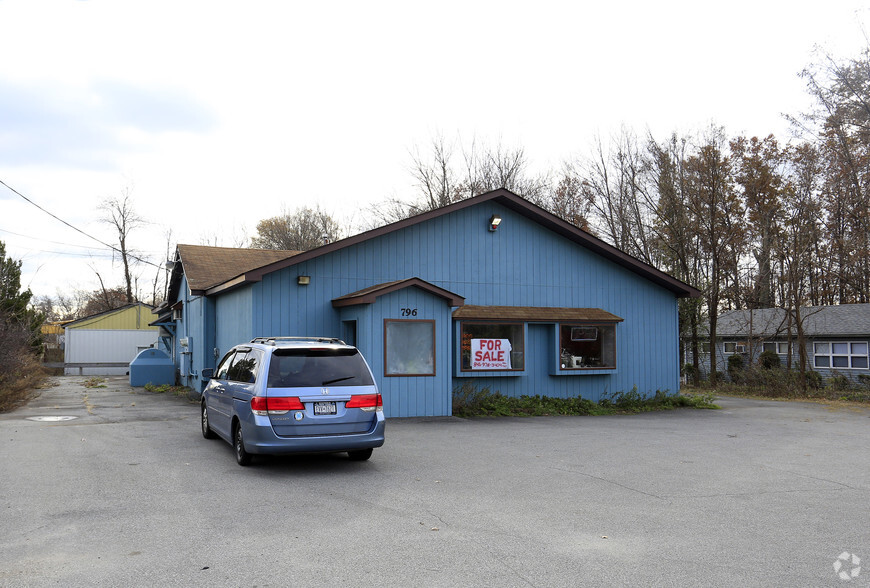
x: 285, y: 395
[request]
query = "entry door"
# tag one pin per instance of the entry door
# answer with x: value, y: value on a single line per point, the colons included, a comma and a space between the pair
x: 349, y: 332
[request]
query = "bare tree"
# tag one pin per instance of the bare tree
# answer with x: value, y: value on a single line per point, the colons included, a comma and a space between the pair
x: 120, y: 213
x: 435, y: 176
x: 442, y: 179
x: 715, y: 211
x: 617, y: 183
x: 840, y: 127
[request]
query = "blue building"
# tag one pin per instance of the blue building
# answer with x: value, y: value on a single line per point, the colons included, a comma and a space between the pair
x: 491, y: 292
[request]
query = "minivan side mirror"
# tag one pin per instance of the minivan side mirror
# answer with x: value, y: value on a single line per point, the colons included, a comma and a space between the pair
x: 207, y: 373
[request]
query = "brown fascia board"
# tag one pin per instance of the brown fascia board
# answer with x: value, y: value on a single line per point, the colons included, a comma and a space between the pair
x: 535, y: 314
x: 505, y: 198
x: 371, y: 294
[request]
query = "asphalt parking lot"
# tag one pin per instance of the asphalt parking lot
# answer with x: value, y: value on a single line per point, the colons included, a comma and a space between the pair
x: 129, y: 493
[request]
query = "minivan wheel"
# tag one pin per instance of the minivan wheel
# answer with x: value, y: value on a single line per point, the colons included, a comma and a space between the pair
x: 206, y: 430
x: 242, y: 457
x: 361, y: 455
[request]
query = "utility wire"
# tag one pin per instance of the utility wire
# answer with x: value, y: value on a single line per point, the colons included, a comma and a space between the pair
x: 41, y: 240
x: 54, y: 216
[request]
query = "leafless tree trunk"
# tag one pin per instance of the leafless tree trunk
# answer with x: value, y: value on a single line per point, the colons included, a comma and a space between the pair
x: 120, y: 214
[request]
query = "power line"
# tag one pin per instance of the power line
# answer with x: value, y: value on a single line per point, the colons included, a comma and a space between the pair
x: 45, y: 240
x: 54, y: 216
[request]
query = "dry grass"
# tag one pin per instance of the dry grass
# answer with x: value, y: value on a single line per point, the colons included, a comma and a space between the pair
x: 20, y: 383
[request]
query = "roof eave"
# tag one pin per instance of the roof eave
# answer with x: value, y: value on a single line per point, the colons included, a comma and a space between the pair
x: 505, y: 198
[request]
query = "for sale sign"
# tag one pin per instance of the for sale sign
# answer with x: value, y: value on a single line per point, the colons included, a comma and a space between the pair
x: 490, y: 354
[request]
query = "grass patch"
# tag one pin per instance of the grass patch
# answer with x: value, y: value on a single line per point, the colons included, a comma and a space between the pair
x: 471, y: 401
x: 95, y: 382
x: 182, y: 391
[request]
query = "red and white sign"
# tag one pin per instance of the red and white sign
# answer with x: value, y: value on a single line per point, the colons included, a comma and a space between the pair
x: 490, y: 354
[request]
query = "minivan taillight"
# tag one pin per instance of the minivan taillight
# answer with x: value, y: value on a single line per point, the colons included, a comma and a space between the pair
x: 263, y: 405
x: 367, y: 402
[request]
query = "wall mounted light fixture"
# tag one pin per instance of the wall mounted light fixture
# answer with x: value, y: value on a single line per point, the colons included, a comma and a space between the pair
x: 303, y: 280
x: 494, y: 222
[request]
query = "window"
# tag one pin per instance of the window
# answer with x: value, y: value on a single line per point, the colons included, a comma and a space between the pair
x: 409, y: 348
x: 840, y: 355
x: 245, y: 366
x: 310, y: 368
x: 735, y: 348
x: 778, y: 347
x: 224, y: 366
x: 587, y: 346
x: 492, y: 346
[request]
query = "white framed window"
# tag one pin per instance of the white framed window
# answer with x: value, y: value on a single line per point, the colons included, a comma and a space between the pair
x: 731, y: 347
x: 778, y: 347
x: 841, y: 355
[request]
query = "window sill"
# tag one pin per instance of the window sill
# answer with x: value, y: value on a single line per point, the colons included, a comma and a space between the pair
x: 490, y: 374
x: 584, y: 372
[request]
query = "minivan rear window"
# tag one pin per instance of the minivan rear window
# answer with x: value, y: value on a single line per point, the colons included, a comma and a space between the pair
x: 301, y: 368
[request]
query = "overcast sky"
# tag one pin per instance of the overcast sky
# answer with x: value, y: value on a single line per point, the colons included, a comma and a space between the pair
x: 216, y: 115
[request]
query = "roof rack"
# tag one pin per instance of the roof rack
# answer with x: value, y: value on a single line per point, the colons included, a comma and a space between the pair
x: 274, y: 340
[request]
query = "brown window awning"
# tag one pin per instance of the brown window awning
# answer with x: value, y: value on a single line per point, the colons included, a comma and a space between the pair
x: 543, y: 314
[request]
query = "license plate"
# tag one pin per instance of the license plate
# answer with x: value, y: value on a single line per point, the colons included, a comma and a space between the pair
x: 324, y: 408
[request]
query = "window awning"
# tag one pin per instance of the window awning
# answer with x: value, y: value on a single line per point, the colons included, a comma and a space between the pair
x: 544, y: 314
x: 372, y: 293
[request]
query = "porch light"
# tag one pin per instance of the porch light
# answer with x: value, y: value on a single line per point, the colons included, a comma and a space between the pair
x: 494, y: 222
x: 303, y: 280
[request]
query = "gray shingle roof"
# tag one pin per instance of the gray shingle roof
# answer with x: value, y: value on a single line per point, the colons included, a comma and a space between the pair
x: 818, y: 321
x: 206, y: 266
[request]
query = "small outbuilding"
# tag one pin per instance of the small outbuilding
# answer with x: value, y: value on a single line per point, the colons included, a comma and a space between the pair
x: 104, y: 344
x: 492, y: 293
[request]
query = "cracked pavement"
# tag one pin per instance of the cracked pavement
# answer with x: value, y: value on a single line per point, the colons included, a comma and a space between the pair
x: 759, y: 493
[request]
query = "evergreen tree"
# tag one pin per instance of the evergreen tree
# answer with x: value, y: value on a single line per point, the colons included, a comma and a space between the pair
x: 15, y: 304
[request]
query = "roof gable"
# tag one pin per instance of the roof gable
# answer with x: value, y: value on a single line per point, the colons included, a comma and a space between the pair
x: 504, y: 197
x: 370, y: 294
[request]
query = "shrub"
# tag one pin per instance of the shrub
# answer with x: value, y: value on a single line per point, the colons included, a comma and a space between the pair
x: 735, y: 366
x: 690, y: 372
x: 814, y: 380
x: 839, y: 382
x: 20, y: 371
x: 469, y: 401
x: 769, y: 360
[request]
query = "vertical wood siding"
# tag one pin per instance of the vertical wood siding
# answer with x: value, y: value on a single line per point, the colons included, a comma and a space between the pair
x: 521, y: 264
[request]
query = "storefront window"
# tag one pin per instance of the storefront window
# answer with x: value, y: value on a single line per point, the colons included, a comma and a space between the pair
x: 492, y: 346
x: 587, y: 346
x: 409, y: 348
